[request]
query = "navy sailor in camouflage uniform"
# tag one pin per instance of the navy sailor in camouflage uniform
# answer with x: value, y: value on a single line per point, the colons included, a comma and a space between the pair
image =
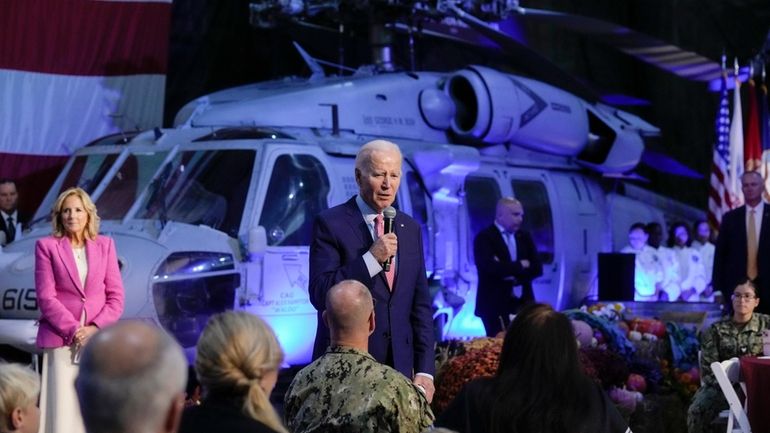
x: 346, y: 389
x: 735, y: 336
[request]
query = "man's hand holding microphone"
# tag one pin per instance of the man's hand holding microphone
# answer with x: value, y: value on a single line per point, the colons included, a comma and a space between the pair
x: 386, y: 246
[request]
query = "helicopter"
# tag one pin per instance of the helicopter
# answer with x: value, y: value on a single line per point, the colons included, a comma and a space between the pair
x: 216, y: 212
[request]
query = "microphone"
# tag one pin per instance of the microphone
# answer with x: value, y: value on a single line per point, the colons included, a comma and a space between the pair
x: 389, y: 213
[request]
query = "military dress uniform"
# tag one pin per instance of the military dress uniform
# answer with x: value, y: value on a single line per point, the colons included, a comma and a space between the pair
x: 721, y: 341
x: 706, y: 251
x: 648, y: 272
x: 692, y: 272
x: 671, y: 276
x: 347, y: 390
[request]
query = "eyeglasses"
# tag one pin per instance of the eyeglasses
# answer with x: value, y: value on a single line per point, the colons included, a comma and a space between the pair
x: 746, y: 296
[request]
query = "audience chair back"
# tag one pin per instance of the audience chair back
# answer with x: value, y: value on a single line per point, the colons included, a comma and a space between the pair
x: 727, y: 373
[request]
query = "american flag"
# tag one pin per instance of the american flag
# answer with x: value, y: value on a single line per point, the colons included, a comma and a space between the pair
x: 764, y: 135
x: 736, y: 166
x: 719, y: 195
x: 752, y: 144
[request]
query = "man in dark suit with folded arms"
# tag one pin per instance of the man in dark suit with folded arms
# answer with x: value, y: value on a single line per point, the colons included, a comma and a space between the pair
x: 743, y: 245
x: 506, y: 260
x: 347, y: 245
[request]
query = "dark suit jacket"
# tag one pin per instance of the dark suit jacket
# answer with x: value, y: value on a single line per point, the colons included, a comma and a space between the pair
x: 404, y: 317
x: 497, y: 271
x: 23, y: 219
x: 730, y: 256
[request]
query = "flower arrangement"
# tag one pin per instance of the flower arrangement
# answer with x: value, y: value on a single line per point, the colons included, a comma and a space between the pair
x: 460, y: 362
x: 632, y: 358
x: 682, y: 372
x: 606, y: 311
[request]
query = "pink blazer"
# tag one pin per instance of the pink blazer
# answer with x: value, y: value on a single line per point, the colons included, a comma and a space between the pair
x: 62, y: 297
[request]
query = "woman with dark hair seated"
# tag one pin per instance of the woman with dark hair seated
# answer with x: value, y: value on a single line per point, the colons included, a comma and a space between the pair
x: 539, y: 387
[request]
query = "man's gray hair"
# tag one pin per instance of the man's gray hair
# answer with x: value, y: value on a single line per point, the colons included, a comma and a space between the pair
x: 364, y: 155
x: 752, y: 173
x: 508, y: 201
x: 129, y: 376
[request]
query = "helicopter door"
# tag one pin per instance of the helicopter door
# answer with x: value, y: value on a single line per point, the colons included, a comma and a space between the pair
x: 539, y: 222
x: 421, y: 211
x: 297, y: 189
x: 482, y: 191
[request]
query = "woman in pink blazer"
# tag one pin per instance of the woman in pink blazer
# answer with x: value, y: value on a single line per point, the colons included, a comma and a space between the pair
x: 79, y: 290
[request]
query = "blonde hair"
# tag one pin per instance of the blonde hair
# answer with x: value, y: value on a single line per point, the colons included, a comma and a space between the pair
x: 235, y: 351
x: 19, y: 387
x: 92, y: 225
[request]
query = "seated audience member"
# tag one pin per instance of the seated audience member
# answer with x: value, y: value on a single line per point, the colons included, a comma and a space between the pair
x: 237, y: 363
x: 705, y: 246
x: 734, y: 336
x: 346, y: 389
x: 669, y: 285
x: 539, y: 386
x: 132, y: 379
x: 647, y: 270
x: 692, y: 274
x: 19, y: 393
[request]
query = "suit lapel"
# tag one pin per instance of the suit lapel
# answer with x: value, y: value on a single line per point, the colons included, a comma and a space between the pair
x: 501, y: 248
x: 68, y: 258
x: 764, y: 230
x: 93, y: 259
x: 522, y: 254
x: 357, y: 223
x: 400, y: 230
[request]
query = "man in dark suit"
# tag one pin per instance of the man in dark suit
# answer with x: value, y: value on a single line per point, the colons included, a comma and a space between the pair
x: 506, y: 260
x: 346, y: 245
x: 743, y: 245
x: 11, y: 221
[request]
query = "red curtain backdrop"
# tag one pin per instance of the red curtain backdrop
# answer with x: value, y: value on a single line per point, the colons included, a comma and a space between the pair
x: 70, y: 72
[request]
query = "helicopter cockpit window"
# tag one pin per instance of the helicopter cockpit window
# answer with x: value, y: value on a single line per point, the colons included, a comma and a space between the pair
x: 124, y: 188
x: 86, y: 172
x: 537, y: 215
x: 298, y: 191
x: 205, y: 187
x: 481, y: 195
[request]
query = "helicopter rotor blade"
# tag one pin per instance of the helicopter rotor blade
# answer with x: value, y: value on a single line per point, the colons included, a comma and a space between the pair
x: 535, y: 64
x: 665, y: 56
x: 663, y: 163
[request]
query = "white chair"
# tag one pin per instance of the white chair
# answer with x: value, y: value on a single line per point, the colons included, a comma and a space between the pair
x: 726, y: 373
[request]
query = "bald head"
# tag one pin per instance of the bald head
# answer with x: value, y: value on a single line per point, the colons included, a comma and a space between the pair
x: 124, y: 349
x: 127, y: 369
x: 349, y: 306
x: 509, y: 214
